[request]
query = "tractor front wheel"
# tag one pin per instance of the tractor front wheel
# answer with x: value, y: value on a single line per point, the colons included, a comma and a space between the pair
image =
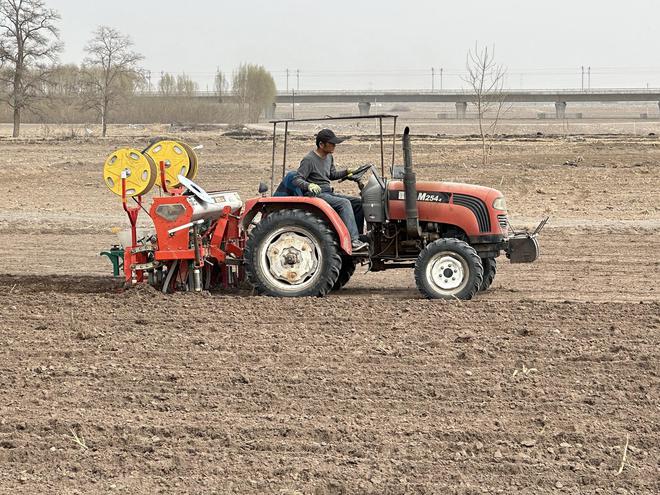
x: 448, y: 269
x: 490, y: 269
x: 292, y: 252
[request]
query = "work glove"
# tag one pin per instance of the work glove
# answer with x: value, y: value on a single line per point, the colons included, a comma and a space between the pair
x: 314, y: 189
x: 351, y: 171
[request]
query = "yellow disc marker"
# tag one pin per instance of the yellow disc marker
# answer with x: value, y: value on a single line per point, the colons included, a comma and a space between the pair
x: 192, y: 173
x: 140, y: 171
x: 175, y: 156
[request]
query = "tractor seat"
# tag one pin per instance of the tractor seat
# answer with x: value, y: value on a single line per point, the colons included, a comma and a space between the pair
x: 287, y: 188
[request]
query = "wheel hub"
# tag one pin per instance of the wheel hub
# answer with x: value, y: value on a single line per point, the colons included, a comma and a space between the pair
x: 447, y: 273
x: 292, y: 258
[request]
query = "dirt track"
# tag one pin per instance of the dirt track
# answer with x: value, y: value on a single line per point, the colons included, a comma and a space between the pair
x: 531, y: 388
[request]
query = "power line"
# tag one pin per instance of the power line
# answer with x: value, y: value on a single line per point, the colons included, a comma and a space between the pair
x: 449, y: 77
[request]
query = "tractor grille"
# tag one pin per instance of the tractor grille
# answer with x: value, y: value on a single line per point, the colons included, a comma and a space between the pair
x: 503, y: 221
x: 478, y: 207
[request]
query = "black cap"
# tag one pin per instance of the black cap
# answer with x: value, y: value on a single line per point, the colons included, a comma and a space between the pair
x: 327, y: 136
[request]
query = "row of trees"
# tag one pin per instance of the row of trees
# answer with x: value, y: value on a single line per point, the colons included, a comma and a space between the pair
x: 110, y: 72
x: 180, y: 85
x: 71, y: 80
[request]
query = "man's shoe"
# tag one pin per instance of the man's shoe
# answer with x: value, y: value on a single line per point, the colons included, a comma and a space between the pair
x: 358, y: 245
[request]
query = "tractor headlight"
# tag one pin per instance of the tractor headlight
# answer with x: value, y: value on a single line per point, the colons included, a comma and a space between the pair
x: 499, y: 204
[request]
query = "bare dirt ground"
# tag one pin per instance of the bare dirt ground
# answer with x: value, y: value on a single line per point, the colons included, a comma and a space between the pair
x: 535, y: 386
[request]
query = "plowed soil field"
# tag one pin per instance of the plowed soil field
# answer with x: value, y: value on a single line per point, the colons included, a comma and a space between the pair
x: 546, y: 383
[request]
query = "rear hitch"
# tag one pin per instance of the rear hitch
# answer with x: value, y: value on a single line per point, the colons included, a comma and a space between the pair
x: 540, y: 226
x: 523, y: 247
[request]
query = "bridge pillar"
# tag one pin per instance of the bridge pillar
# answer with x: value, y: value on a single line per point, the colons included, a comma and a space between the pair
x: 461, y: 109
x: 269, y: 111
x: 364, y: 107
x: 560, y: 109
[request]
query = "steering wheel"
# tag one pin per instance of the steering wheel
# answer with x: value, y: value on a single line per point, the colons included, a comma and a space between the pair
x: 357, y: 175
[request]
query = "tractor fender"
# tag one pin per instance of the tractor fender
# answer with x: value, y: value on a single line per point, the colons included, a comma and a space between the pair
x: 317, y: 205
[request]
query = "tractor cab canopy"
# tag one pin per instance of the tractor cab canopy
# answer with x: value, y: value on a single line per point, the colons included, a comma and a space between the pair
x: 285, y: 187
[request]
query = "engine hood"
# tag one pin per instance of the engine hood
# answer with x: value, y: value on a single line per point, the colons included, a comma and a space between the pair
x: 484, y: 193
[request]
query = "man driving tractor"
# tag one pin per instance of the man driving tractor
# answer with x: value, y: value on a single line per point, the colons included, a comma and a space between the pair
x: 316, y: 171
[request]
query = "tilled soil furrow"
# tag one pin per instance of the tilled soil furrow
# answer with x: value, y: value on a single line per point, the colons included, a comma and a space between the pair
x: 545, y: 398
x: 371, y: 389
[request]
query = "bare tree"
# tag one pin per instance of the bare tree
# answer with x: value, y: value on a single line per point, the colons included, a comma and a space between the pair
x: 64, y: 80
x: 486, y: 80
x: 255, y: 88
x: 29, y: 43
x: 185, y: 86
x: 220, y: 84
x: 167, y: 84
x: 111, y: 71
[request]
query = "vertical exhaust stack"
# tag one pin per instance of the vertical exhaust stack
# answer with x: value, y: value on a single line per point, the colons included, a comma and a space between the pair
x: 410, y: 187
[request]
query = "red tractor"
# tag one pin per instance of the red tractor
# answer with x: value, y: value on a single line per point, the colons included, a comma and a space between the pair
x: 451, y: 234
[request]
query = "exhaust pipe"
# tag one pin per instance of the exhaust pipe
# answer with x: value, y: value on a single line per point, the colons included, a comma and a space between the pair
x: 410, y: 187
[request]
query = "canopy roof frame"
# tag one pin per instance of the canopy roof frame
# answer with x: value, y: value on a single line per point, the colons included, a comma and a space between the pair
x: 286, y: 123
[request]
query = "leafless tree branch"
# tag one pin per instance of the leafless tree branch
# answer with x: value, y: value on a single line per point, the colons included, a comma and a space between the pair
x: 110, y: 71
x: 29, y: 44
x: 485, y: 78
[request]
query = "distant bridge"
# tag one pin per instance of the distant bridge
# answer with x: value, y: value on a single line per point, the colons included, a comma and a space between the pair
x: 449, y: 96
x: 364, y: 99
x: 460, y: 98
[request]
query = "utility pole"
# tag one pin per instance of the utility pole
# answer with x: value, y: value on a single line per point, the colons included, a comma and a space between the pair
x: 287, y: 80
x: 582, y: 87
x: 432, y: 79
x: 440, y: 78
x: 589, y: 78
x: 218, y: 82
x: 149, y: 80
x: 297, y: 79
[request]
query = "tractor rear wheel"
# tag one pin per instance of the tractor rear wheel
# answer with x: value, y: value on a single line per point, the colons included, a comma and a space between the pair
x: 448, y: 269
x: 490, y: 269
x: 346, y: 272
x: 292, y: 252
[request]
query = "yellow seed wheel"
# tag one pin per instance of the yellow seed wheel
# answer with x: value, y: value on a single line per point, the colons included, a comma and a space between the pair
x: 140, y: 172
x: 175, y: 156
x: 192, y: 173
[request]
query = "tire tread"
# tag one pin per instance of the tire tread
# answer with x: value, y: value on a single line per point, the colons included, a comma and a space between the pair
x: 490, y: 269
x: 328, y: 241
x: 462, y: 248
x: 345, y: 273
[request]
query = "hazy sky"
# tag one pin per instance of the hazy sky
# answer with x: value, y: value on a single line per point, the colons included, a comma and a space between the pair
x: 382, y: 44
